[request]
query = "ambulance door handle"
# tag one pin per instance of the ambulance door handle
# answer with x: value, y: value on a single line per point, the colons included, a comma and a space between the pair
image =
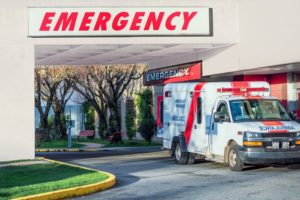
x: 168, y: 124
x: 195, y: 126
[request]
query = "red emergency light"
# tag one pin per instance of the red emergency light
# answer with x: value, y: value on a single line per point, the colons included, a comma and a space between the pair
x: 243, y: 90
x: 168, y: 94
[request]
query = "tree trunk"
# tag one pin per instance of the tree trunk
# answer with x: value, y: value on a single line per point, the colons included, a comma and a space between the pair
x: 116, y: 115
x: 44, y: 121
x: 102, y: 125
x: 58, y: 111
x: 59, y: 125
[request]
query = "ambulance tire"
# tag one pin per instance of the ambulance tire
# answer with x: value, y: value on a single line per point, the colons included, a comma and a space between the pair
x: 234, y: 161
x: 191, y: 158
x: 180, y: 157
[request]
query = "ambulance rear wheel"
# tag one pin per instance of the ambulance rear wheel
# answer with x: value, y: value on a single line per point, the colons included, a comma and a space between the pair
x: 180, y: 157
x: 191, y: 159
x: 234, y: 161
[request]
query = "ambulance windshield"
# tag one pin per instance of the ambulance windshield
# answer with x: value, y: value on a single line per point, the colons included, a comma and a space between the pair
x: 257, y: 110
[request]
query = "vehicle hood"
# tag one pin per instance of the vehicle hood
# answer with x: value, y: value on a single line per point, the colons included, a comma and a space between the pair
x: 269, y: 126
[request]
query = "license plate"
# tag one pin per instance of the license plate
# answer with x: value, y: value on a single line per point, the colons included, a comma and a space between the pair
x: 285, y: 145
x: 275, y: 145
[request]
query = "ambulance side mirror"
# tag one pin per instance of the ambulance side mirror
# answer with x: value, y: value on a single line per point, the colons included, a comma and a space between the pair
x: 219, y: 117
x: 292, y: 115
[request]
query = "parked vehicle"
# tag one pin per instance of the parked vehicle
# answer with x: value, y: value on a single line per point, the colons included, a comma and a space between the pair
x: 232, y: 122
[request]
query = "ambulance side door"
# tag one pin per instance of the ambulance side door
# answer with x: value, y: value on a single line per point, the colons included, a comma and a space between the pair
x: 167, y: 113
x: 220, y: 128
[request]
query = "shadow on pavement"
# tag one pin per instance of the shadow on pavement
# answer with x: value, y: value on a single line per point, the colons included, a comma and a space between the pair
x: 293, y: 166
x: 68, y: 156
x: 254, y: 167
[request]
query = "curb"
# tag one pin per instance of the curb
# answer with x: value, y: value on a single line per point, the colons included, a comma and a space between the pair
x: 66, y: 150
x: 75, y: 191
x: 89, y: 150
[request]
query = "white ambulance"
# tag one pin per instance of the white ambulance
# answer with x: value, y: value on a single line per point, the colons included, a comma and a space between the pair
x: 233, y: 122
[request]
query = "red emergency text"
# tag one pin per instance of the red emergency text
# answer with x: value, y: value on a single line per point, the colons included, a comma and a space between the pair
x: 103, y: 21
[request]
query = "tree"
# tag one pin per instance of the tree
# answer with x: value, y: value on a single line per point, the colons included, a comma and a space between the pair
x: 102, y: 86
x: 60, y: 99
x: 146, y: 122
x: 114, y: 79
x: 84, y: 83
x: 47, y: 79
x: 62, y: 95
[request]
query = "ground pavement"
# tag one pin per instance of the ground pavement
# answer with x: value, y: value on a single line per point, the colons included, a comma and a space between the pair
x: 152, y: 174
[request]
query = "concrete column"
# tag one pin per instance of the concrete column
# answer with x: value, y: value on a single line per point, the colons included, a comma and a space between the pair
x: 17, y: 102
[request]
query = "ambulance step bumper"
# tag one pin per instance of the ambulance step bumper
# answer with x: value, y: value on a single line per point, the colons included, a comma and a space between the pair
x: 263, y: 157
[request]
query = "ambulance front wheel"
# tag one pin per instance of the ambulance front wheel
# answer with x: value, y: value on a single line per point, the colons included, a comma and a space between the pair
x: 234, y: 161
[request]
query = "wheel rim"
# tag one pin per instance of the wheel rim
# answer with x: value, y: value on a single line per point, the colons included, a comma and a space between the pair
x: 177, y: 152
x: 232, y: 158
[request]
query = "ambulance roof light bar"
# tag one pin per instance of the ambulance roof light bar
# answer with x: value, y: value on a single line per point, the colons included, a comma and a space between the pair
x: 243, y: 90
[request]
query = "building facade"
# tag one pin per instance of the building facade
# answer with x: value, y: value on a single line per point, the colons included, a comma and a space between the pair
x: 233, y: 40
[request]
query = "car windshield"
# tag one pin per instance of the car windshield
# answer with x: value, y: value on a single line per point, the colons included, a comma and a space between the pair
x: 258, y: 110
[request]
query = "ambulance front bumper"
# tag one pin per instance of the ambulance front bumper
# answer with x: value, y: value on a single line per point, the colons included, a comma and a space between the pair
x: 261, y: 156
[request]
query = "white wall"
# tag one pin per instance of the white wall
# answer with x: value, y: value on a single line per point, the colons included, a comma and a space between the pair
x: 16, y: 102
x: 16, y: 86
x: 17, y: 59
x: 269, y: 33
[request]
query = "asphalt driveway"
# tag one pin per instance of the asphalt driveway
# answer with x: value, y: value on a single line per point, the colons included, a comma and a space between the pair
x: 149, y: 173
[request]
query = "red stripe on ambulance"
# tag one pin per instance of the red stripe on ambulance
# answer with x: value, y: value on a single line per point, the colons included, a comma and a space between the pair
x: 272, y: 123
x: 275, y: 123
x: 192, y: 111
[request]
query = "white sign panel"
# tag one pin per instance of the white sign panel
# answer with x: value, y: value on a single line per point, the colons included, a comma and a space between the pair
x: 151, y: 21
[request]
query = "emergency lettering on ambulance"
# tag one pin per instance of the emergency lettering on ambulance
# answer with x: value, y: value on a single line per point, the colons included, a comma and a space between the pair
x: 233, y: 122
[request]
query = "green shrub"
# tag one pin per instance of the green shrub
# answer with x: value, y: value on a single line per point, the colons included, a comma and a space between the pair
x: 146, y: 122
x: 89, y: 113
x: 52, y: 129
x: 130, y: 124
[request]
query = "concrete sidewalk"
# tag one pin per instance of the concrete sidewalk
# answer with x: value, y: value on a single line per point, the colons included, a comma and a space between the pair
x: 91, y: 145
x: 22, y: 163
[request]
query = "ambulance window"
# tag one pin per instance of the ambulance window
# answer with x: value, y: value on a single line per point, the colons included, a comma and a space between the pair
x: 199, y: 110
x: 162, y: 112
x: 222, y: 109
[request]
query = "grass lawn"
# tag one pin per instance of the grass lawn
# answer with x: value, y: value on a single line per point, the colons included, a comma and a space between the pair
x: 59, y: 144
x: 126, y: 143
x: 24, y: 180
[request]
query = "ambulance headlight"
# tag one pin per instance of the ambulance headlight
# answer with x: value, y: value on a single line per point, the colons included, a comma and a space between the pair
x: 298, y: 135
x: 249, y: 135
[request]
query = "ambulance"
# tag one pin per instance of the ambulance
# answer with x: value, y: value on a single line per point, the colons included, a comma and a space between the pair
x: 237, y: 123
